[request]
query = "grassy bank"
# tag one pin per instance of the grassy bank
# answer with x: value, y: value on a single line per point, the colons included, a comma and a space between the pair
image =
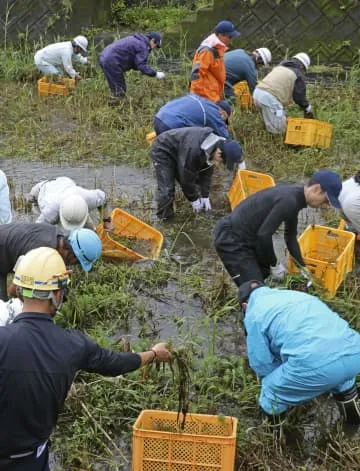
x: 191, y: 301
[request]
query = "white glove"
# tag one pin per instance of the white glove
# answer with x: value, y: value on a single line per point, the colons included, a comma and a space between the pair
x: 197, y: 205
x: 160, y: 75
x: 305, y: 273
x: 205, y: 203
x: 278, y: 272
x: 242, y: 165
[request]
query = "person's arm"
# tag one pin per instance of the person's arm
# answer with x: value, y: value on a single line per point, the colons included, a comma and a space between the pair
x: 141, y: 64
x: 97, y: 199
x: 290, y: 236
x: 109, y: 363
x: 299, y: 93
x: 66, y: 57
x: 205, y: 177
x: 216, y: 122
x: 264, y: 247
x: 49, y: 214
x: 205, y: 60
x: 251, y: 80
x: 261, y: 359
x: 189, y: 186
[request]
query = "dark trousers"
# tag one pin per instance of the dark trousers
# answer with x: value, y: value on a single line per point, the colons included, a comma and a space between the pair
x: 160, y: 126
x: 115, y: 77
x: 28, y: 463
x: 3, y: 288
x: 237, y: 257
x: 166, y: 175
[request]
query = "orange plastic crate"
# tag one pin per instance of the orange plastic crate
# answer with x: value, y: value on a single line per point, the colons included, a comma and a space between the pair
x: 129, y: 226
x: 342, y: 225
x: 328, y: 253
x: 150, y: 137
x: 247, y: 182
x: 46, y: 88
x: 308, y: 132
x: 243, y: 95
x: 208, y: 442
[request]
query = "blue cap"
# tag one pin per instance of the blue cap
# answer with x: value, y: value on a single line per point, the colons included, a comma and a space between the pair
x: 331, y: 183
x: 225, y: 105
x: 247, y: 288
x: 155, y: 35
x: 232, y: 153
x: 227, y: 28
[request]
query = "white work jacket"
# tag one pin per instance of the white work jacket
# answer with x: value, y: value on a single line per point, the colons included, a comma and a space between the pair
x: 60, y: 54
x: 350, y: 203
x: 50, y: 193
x: 5, y: 206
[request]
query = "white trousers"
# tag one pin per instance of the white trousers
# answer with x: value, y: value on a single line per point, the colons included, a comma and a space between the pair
x: 272, y: 111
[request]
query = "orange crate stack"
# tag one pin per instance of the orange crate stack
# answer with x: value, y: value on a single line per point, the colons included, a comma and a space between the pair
x: 328, y: 253
x: 247, y: 182
x: 46, y: 88
x: 243, y: 95
x: 308, y: 132
x: 208, y: 442
x: 128, y: 226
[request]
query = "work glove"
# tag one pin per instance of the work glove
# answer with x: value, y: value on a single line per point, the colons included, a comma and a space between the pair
x: 308, y: 114
x: 197, y: 205
x: 205, y: 202
x: 160, y: 75
x: 278, y: 272
x: 305, y: 273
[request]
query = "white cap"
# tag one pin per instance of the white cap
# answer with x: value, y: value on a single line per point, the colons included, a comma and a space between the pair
x: 265, y: 54
x: 73, y: 212
x: 304, y: 59
x: 82, y: 42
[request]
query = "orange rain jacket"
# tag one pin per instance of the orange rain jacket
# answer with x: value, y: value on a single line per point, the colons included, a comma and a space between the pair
x: 208, y: 72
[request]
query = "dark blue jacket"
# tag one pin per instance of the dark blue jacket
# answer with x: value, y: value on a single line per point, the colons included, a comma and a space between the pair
x: 193, y: 110
x: 131, y: 52
x: 239, y: 66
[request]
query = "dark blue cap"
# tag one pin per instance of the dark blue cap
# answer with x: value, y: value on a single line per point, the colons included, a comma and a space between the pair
x: 227, y: 28
x: 225, y: 105
x: 155, y: 35
x: 247, y: 288
x: 232, y: 153
x: 331, y: 183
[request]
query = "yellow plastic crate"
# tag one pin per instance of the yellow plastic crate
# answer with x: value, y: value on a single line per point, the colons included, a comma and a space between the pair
x: 247, y: 182
x: 129, y: 226
x: 342, y: 225
x: 150, y: 137
x: 46, y: 88
x: 208, y: 442
x: 243, y: 95
x: 328, y: 253
x: 308, y: 132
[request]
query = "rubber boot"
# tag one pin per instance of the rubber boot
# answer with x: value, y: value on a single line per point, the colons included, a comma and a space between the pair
x: 349, y: 406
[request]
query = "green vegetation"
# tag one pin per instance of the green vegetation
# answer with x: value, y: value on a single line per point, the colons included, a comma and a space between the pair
x: 191, y: 301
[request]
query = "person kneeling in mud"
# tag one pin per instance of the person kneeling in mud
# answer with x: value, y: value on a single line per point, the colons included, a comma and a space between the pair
x: 300, y: 349
x: 189, y: 156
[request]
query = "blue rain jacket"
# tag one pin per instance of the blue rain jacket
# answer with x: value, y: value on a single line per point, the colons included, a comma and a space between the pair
x: 294, y: 327
x: 131, y: 52
x: 239, y: 66
x: 193, y: 110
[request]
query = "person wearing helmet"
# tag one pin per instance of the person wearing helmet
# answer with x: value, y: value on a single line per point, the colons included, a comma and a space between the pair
x: 5, y: 205
x: 194, y: 110
x: 131, y: 52
x: 39, y: 361
x: 300, y: 349
x: 189, y: 156
x: 208, y: 74
x: 82, y: 246
x: 242, y: 66
x: 284, y: 84
x: 66, y: 204
x: 243, y: 239
x: 57, y: 58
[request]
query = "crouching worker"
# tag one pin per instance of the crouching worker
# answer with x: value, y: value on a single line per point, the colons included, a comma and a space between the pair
x: 350, y: 202
x: 50, y: 357
x: 189, y: 156
x: 243, y: 238
x: 300, y: 349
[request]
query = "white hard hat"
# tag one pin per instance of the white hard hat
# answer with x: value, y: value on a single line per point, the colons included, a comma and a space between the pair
x: 304, y: 59
x: 265, y: 54
x: 73, y: 212
x: 82, y: 42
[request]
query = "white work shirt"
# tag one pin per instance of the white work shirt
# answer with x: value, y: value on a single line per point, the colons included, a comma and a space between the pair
x: 50, y: 193
x: 59, y: 54
x: 5, y: 206
x: 350, y: 203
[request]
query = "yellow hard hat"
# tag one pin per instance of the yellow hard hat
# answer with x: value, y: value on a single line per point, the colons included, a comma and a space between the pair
x: 41, y: 269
